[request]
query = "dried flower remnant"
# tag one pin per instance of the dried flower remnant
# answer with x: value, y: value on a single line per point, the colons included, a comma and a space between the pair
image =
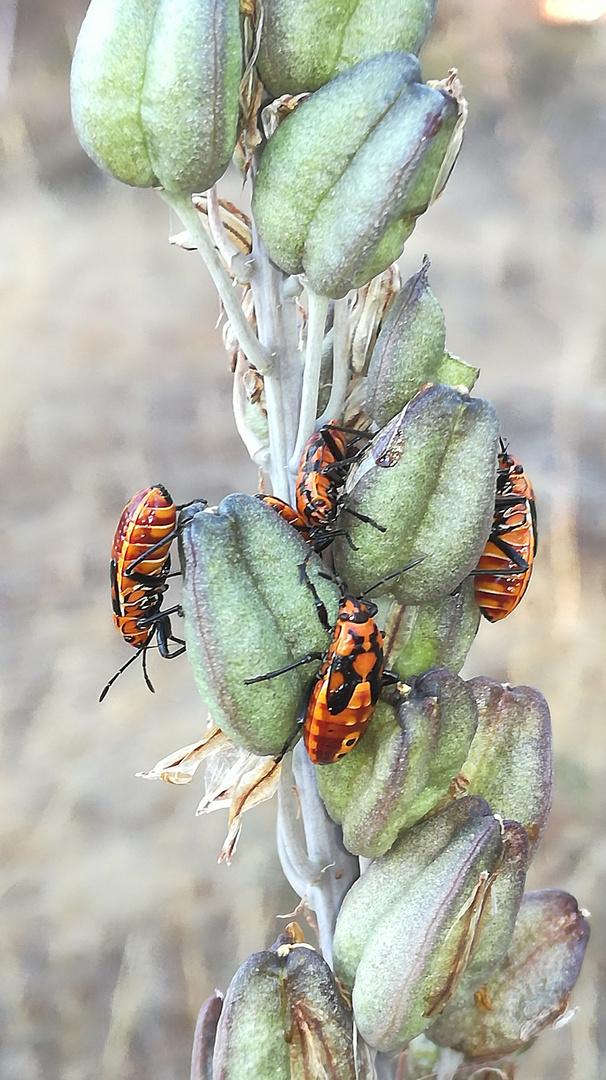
x: 235, y: 779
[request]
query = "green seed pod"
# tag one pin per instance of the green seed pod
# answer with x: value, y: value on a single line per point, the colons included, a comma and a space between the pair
x: 284, y: 1018
x: 155, y: 87
x: 391, y: 877
x: 343, y: 179
x: 531, y: 988
x: 510, y: 761
x: 306, y: 43
x: 416, y: 954
x: 428, y: 479
x: 404, y: 765
x: 410, y: 351
x: 246, y: 612
x: 440, y: 634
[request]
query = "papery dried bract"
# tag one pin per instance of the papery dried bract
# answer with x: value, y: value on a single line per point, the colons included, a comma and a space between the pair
x: 180, y: 766
x: 367, y: 315
x: 235, y: 779
x: 254, y: 786
x: 497, y: 921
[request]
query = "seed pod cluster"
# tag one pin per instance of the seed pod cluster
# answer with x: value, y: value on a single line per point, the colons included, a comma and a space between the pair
x: 250, y: 564
x: 444, y: 784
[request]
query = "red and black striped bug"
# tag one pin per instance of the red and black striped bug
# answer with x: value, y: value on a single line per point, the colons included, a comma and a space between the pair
x: 503, y: 572
x: 320, y: 476
x: 343, y: 696
x: 139, y: 568
x: 324, y: 463
x: 325, y: 459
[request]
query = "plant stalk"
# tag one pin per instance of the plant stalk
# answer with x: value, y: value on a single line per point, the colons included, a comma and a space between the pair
x: 316, y: 325
x: 276, y: 315
x: 335, y: 870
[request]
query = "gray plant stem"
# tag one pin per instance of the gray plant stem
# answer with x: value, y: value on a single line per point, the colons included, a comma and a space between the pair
x: 316, y: 325
x: 310, y: 844
x: 449, y: 1063
x: 340, y: 366
x: 276, y: 315
x: 334, y: 869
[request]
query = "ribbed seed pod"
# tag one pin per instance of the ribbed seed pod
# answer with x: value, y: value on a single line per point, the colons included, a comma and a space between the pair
x: 155, y: 87
x: 410, y: 351
x: 247, y: 611
x: 283, y: 1018
x: 510, y: 760
x: 428, y: 479
x: 531, y: 987
x: 434, y: 635
x: 344, y: 177
x: 405, y: 764
x: 306, y: 43
x: 389, y: 878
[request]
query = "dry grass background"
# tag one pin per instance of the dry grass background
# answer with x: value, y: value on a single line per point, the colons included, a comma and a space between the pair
x: 115, y: 921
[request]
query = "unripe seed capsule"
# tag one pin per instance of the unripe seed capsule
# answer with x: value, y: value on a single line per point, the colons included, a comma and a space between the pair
x: 412, y: 753
x: 428, y: 478
x: 306, y: 43
x: 155, y: 87
x: 531, y: 988
x: 247, y: 611
x: 284, y: 1019
x: 344, y: 177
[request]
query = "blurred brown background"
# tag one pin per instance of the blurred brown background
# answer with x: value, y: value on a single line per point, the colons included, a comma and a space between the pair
x: 115, y: 921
